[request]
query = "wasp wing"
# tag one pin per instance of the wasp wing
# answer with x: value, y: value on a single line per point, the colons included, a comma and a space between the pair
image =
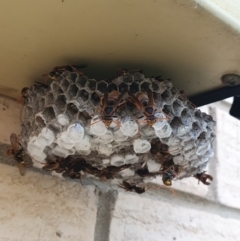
x: 22, y: 169
x: 136, y: 101
x: 14, y: 142
x: 118, y: 101
x: 27, y: 161
x: 150, y: 98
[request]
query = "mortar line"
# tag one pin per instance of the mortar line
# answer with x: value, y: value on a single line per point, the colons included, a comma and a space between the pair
x: 106, y: 204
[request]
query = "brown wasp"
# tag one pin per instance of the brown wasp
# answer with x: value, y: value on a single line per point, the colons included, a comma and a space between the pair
x: 169, y: 171
x: 110, y: 171
x: 110, y: 102
x: 107, y: 172
x: 145, y: 173
x: 71, y: 174
x: 157, y: 147
x: 54, y: 164
x: 202, y: 177
x: 123, y: 72
x: 160, y: 150
x: 22, y: 159
x: 69, y: 167
x: 146, y: 106
x: 25, y: 91
x: 167, y: 177
x: 51, y: 166
x: 132, y: 187
x: 58, y: 70
x: 24, y: 95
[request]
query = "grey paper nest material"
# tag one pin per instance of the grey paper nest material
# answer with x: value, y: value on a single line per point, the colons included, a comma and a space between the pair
x: 65, y: 124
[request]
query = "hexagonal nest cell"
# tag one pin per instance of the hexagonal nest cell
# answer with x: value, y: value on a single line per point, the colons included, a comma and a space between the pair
x: 129, y: 128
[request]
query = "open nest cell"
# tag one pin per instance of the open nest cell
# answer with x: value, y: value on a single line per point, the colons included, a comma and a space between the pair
x: 129, y: 127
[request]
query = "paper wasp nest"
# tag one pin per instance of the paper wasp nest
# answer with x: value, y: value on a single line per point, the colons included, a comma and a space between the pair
x: 65, y: 126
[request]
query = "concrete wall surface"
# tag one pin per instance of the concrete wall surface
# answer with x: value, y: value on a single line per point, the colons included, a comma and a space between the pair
x: 42, y: 207
x: 171, y: 218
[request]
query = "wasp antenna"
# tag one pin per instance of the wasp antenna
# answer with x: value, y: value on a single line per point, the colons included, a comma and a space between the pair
x: 173, y: 192
x: 95, y: 122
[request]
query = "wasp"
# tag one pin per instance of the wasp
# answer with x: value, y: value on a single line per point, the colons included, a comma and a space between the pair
x: 22, y: 159
x: 71, y: 174
x: 132, y: 187
x: 110, y: 171
x: 202, y: 177
x: 157, y: 146
x: 123, y: 72
x: 110, y: 103
x: 72, y: 168
x: 25, y: 90
x: 147, y: 107
x: 69, y: 166
x: 169, y: 171
x: 24, y: 93
x: 51, y: 166
x: 107, y: 172
x: 145, y: 173
x: 167, y: 178
x: 58, y: 70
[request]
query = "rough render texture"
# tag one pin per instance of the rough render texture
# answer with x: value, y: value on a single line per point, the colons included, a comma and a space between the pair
x: 42, y: 207
x: 143, y: 219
